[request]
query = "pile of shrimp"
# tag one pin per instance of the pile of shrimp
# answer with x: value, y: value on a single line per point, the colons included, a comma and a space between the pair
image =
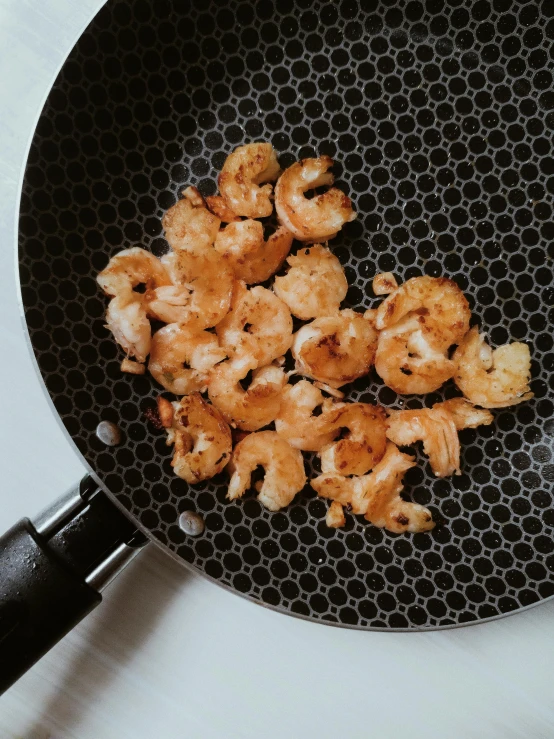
x: 227, y: 336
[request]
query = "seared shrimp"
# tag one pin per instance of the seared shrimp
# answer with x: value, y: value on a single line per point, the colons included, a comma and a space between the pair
x: 258, y: 325
x: 201, y: 438
x: 252, y: 258
x: 219, y: 207
x: 362, y: 447
x: 244, y: 170
x: 315, y: 284
x: 493, y: 379
x: 126, y: 316
x: 384, y: 283
x: 247, y: 409
x: 320, y: 218
x: 130, y: 268
x: 335, y: 350
x: 175, y: 346
x: 296, y: 422
x: 189, y: 225
x: 377, y: 495
x: 201, y: 292
x: 283, y: 467
x: 438, y: 428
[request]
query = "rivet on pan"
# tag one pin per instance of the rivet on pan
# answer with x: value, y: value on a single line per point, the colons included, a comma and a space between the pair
x: 108, y: 433
x: 191, y: 523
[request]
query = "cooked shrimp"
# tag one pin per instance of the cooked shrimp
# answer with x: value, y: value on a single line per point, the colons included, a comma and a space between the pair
x: 244, y: 170
x: 201, y: 292
x: 127, y: 320
x: 258, y: 325
x: 362, y: 447
x: 438, y: 300
x: 412, y: 357
x: 320, y: 218
x: 219, y: 207
x: 283, y: 467
x: 252, y: 258
x: 377, y: 495
x: 335, y: 517
x: 384, y: 283
x: 247, y: 409
x: 493, y: 379
x: 175, y: 346
x: 201, y: 438
x: 130, y: 268
x: 315, y: 284
x: 189, y: 224
x: 337, y: 349
x: 296, y: 422
x: 438, y: 428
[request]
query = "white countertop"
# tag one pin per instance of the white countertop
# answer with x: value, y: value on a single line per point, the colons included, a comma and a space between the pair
x: 168, y: 654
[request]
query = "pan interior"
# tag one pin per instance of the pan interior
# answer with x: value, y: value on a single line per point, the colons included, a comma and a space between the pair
x: 440, y: 116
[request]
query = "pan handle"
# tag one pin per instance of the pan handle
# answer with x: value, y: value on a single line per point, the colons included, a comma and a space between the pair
x: 52, y: 573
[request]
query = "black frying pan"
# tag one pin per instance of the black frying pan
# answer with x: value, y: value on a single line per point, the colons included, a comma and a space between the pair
x: 440, y: 115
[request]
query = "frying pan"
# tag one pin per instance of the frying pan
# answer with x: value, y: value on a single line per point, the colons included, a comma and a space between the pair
x: 440, y: 116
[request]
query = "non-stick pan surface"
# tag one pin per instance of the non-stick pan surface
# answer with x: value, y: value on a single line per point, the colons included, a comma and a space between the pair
x: 441, y: 117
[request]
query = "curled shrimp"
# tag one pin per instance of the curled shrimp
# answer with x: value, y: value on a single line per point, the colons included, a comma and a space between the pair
x: 296, y: 422
x: 127, y: 313
x: 283, y: 467
x: 315, y: 284
x: 219, y: 208
x: 419, y: 322
x: 200, y: 295
x: 244, y: 170
x: 247, y: 409
x: 320, y: 218
x: 493, y: 379
x: 258, y: 325
x: 362, y: 447
x: 200, y: 436
x: 437, y: 428
x: 175, y: 346
x: 252, y: 258
x: 337, y: 349
x: 189, y: 225
x: 377, y: 495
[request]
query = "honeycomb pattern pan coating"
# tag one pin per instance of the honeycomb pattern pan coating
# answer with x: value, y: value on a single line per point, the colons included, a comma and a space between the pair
x: 440, y: 115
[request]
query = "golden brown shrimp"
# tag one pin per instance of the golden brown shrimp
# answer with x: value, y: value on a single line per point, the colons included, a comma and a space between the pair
x: 189, y: 225
x: 384, y: 283
x: 201, y: 292
x: 252, y: 258
x: 175, y: 346
x: 201, y: 438
x: 315, y: 284
x: 296, y: 422
x: 437, y: 299
x: 247, y: 409
x: 320, y: 218
x: 258, y: 325
x: 493, y: 379
x: 362, y: 447
x: 283, y: 467
x: 130, y: 268
x: 126, y: 316
x: 412, y: 357
x: 438, y: 428
x: 337, y: 349
x: 335, y: 517
x: 244, y: 170
x: 377, y: 495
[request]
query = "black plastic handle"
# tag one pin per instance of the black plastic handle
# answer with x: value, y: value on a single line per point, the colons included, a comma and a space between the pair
x: 51, y: 573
